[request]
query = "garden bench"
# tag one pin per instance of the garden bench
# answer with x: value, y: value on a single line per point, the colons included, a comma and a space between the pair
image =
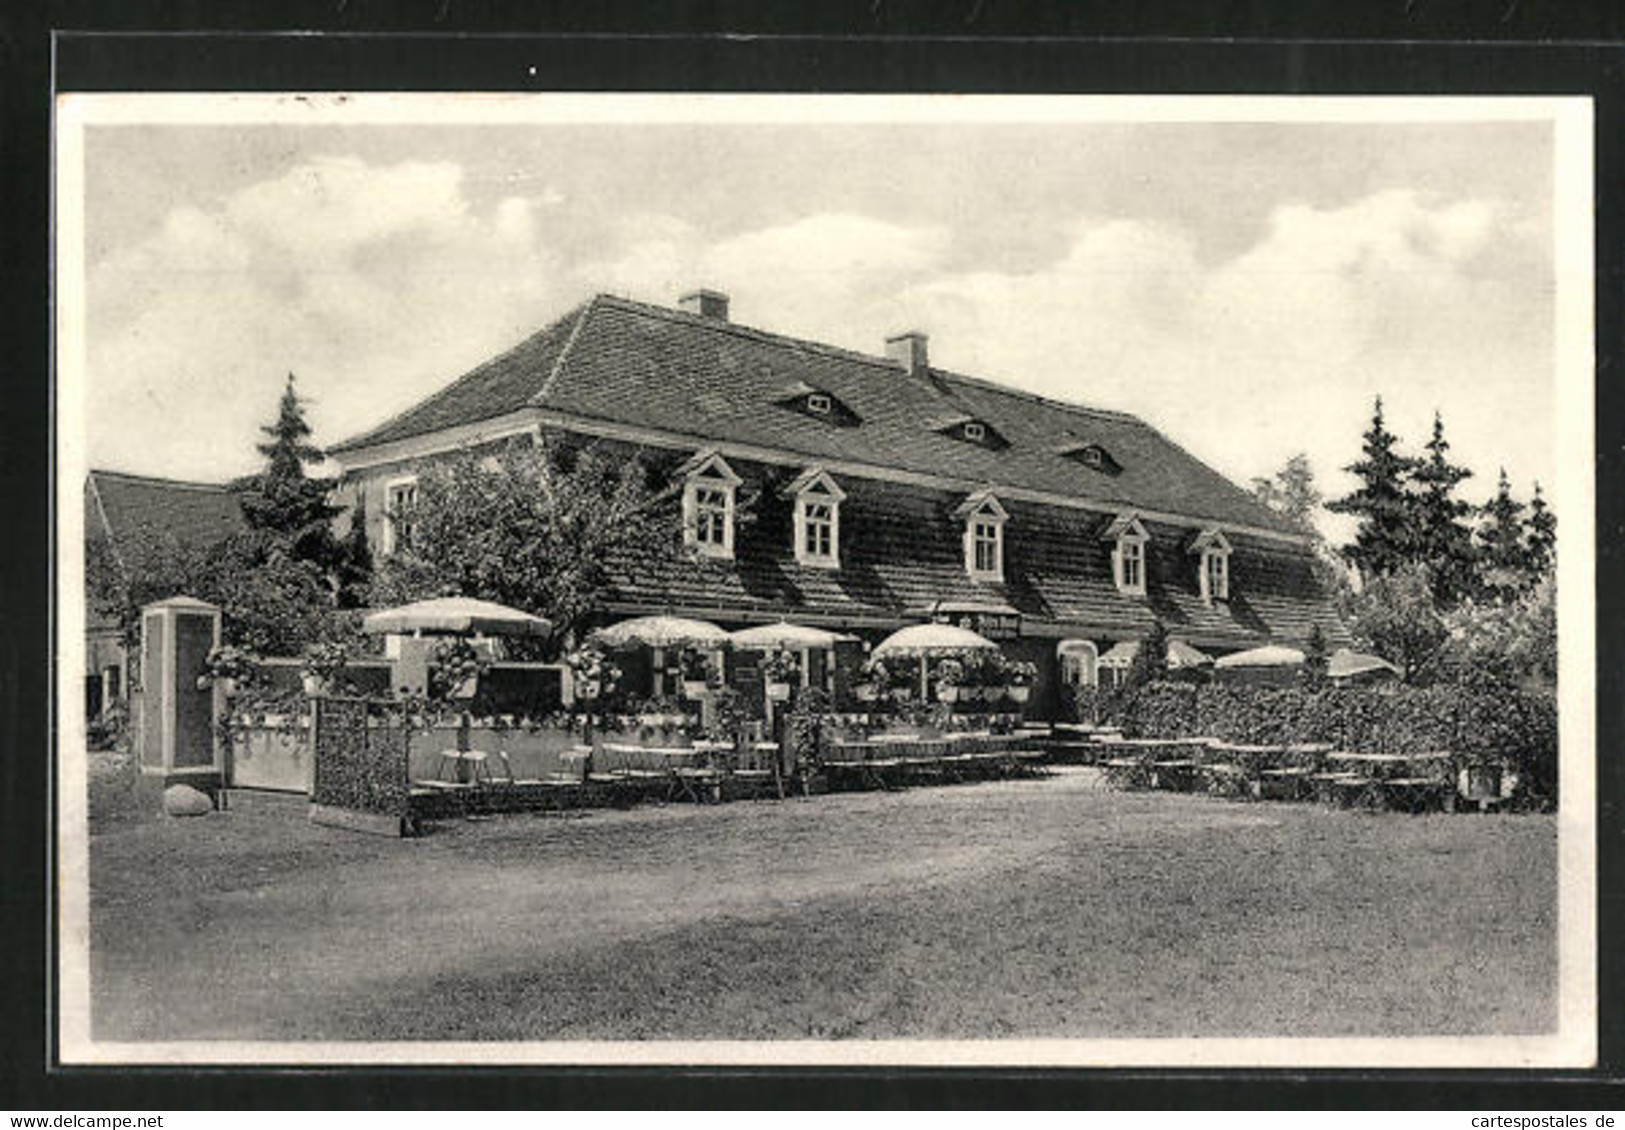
x: 1287, y: 783
x: 1126, y: 772
x: 1177, y: 775
x: 1325, y: 785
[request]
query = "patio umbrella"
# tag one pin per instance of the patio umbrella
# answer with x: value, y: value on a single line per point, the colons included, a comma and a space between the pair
x: 1270, y: 655
x: 661, y: 632
x: 1346, y: 664
x: 457, y: 615
x: 793, y: 637
x: 932, y: 639
x: 923, y: 640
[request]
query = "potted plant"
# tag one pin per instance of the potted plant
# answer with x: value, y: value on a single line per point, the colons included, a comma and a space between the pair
x: 873, y: 678
x: 778, y: 668
x: 1019, y: 678
x: 591, y: 672
x: 457, y: 668
x: 948, y: 674
x: 696, y: 672
x: 323, y: 662
x: 228, y: 668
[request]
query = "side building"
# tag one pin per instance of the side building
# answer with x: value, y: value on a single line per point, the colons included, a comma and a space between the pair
x: 887, y: 491
x: 132, y: 521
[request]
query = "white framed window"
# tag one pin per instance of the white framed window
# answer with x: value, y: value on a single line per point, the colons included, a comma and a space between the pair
x: 1091, y: 456
x: 400, y: 497
x: 1129, y: 544
x: 816, y: 532
x: 984, y: 536
x: 708, y: 505
x: 1079, y: 663
x: 975, y: 432
x: 819, y: 402
x: 1212, y: 552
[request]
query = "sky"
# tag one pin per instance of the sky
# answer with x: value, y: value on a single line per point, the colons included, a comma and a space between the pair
x: 1248, y: 288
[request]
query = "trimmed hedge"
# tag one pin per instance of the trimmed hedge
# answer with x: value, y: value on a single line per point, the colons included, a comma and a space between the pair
x: 1475, y: 724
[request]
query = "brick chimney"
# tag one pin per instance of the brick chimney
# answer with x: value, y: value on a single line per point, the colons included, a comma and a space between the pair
x: 908, y: 350
x: 705, y: 303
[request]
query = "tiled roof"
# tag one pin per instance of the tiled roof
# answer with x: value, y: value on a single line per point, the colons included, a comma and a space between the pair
x: 144, y: 515
x: 624, y: 362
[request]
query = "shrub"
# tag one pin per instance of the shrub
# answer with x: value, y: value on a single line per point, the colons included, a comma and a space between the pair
x: 1477, y: 721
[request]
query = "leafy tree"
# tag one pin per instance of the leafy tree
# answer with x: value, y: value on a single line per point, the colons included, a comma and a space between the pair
x: 1150, y: 662
x: 1440, y: 536
x: 1540, y: 536
x: 1394, y: 616
x: 1510, y: 641
x: 1505, y: 564
x: 1291, y: 493
x: 1383, y: 542
x: 538, y: 527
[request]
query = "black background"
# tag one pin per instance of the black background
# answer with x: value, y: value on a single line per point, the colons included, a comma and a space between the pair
x: 1399, y: 47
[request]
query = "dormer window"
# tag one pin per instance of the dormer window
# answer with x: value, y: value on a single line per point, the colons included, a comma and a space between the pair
x: 1212, y: 552
x: 820, y: 403
x: 816, y: 528
x: 709, y: 490
x: 1129, y: 541
x: 984, y: 536
x: 1091, y: 455
x: 810, y: 400
x: 966, y: 428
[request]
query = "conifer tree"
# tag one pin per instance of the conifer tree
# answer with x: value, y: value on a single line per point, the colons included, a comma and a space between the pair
x: 1440, y: 537
x: 284, y: 503
x: 1501, y: 542
x: 1540, y: 537
x: 1383, y: 541
x: 1315, y: 659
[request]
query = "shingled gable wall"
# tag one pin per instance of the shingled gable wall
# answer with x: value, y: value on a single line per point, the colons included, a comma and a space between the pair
x: 902, y: 548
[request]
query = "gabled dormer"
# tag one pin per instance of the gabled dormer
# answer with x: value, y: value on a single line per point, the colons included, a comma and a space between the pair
x: 818, y: 403
x: 1129, y: 542
x: 1211, y: 549
x: 816, y: 521
x: 710, y: 487
x: 984, y: 518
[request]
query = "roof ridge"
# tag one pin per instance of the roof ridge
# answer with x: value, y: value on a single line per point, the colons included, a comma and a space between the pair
x: 738, y: 329
x: 184, y: 484
x: 362, y: 439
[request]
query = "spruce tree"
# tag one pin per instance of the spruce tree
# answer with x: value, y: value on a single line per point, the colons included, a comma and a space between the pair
x: 1503, y: 564
x: 1383, y: 541
x: 1540, y: 537
x: 1315, y: 659
x: 1441, y: 539
x: 283, y: 502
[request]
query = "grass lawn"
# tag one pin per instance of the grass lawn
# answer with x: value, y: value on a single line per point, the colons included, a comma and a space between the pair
x: 1032, y: 908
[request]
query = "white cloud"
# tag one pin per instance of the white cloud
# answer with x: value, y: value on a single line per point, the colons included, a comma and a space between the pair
x: 375, y: 284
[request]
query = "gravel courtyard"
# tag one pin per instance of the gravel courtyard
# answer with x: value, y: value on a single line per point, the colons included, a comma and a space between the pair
x: 1048, y: 907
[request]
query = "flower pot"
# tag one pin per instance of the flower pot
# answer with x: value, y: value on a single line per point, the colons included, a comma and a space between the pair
x: 465, y: 689
x: 694, y: 688
x: 901, y: 694
x: 866, y: 693
x: 948, y: 694
x: 314, y: 684
x: 1020, y: 694
x: 778, y: 692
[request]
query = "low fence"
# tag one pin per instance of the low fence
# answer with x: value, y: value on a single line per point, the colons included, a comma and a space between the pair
x: 360, y: 776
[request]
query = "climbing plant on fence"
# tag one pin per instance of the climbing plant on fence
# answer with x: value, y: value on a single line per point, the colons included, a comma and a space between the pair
x: 1482, y: 722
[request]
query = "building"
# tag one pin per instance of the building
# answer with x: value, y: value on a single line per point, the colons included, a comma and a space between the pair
x: 890, y: 491
x: 135, y: 517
